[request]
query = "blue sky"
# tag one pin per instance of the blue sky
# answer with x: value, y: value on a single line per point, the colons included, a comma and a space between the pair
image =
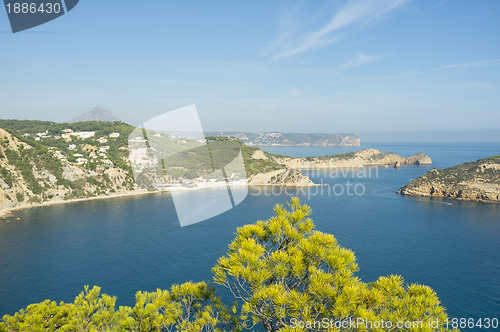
x: 304, y: 66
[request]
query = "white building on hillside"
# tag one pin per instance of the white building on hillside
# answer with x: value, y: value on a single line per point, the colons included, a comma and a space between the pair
x: 84, y: 134
x: 44, y: 134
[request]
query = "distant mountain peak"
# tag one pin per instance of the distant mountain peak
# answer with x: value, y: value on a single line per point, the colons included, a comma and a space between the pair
x: 96, y: 114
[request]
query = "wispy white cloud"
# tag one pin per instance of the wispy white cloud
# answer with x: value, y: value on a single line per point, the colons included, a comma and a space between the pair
x: 468, y: 65
x: 294, y: 92
x: 358, y: 60
x: 482, y: 13
x: 404, y: 74
x: 353, y: 13
x: 360, y: 42
x: 464, y: 65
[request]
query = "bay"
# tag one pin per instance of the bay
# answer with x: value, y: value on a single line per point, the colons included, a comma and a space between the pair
x: 135, y: 243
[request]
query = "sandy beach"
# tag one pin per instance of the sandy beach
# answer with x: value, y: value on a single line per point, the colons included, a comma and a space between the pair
x: 9, y: 212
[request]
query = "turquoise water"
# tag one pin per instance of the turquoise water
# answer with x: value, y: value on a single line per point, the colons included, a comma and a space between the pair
x: 135, y: 243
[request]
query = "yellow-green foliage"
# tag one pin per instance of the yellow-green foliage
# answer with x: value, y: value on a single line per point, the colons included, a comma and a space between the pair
x: 279, y: 271
x: 188, y: 307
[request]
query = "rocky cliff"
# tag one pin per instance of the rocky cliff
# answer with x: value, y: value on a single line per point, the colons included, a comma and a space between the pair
x: 30, y: 175
x: 282, y: 177
x: 475, y: 181
x: 290, y: 175
x: 366, y: 157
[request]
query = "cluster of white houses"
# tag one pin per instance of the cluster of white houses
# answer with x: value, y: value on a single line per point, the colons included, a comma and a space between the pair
x: 69, y: 133
x: 94, y: 152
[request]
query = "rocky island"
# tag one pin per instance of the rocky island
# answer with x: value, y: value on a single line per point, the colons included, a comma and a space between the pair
x: 289, y: 167
x: 474, y: 181
x: 363, y: 158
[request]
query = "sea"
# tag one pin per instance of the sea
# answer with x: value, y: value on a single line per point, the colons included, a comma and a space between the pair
x: 136, y: 243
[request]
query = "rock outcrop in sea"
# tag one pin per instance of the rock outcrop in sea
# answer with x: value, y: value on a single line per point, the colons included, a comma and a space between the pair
x: 363, y: 158
x: 282, y: 177
x: 291, y: 175
x: 474, y: 181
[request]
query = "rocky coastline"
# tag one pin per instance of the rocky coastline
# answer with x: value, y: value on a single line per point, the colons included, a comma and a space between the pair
x: 363, y: 158
x: 27, y: 181
x: 475, y: 181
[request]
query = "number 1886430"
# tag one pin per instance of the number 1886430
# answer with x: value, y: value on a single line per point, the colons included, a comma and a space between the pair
x: 33, y: 8
x: 463, y: 323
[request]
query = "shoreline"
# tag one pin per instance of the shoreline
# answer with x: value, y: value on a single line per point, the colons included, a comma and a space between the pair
x: 303, y: 145
x: 9, y: 212
x: 451, y: 198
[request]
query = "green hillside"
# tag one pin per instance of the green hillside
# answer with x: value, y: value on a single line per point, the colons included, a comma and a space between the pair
x: 44, y: 161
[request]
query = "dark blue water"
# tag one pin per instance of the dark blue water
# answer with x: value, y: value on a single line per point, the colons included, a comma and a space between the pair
x: 136, y: 243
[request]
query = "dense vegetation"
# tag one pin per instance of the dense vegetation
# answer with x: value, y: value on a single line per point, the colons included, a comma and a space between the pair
x: 54, y: 130
x: 191, y: 159
x: 284, y: 275
x: 39, y: 160
x: 252, y: 166
x: 343, y: 156
x: 32, y: 127
x: 469, y: 171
